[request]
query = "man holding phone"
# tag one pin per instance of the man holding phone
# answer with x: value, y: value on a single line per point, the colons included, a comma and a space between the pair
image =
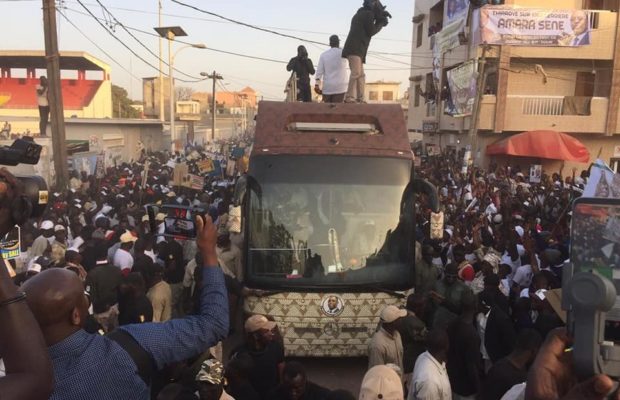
x: 82, y: 362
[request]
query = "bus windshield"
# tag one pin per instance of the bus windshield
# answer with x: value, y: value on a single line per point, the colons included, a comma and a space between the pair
x: 329, y: 221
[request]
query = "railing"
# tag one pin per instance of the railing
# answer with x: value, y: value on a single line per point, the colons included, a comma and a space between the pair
x: 542, y: 105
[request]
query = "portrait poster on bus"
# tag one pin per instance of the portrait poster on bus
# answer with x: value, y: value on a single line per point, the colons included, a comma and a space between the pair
x: 462, y: 82
x: 506, y: 25
x: 453, y: 10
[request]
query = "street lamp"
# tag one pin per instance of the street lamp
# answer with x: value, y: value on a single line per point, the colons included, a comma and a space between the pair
x: 170, y: 33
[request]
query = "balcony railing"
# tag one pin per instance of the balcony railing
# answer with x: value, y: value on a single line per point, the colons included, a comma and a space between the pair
x: 543, y: 105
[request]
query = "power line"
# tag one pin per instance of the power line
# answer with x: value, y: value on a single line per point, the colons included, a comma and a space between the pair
x: 126, y: 46
x: 208, y: 48
x: 251, y: 26
x: 119, y: 23
x: 95, y: 44
x: 226, y: 22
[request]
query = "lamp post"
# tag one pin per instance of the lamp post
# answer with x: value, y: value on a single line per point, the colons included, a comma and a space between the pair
x: 170, y: 33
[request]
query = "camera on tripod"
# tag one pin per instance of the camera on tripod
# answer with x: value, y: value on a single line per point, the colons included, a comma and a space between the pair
x: 32, y: 198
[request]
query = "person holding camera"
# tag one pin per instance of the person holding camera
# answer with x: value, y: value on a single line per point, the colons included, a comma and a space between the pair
x: 366, y: 23
x: 303, y: 68
x: 22, y: 348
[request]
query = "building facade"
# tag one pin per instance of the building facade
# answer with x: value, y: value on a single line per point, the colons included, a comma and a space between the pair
x: 564, y: 83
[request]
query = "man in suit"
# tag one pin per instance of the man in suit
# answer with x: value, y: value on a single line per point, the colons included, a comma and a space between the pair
x: 580, y: 26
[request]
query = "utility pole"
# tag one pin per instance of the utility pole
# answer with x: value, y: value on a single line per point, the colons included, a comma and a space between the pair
x: 475, y: 117
x: 215, y: 76
x: 55, y: 94
x: 162, y: 113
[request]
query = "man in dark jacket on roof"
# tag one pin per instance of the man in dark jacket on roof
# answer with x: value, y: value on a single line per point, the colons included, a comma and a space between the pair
x: 367, y: 22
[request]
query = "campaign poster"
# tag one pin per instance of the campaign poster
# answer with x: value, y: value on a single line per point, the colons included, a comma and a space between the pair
x: 505, y: 25
x: 603, y: 182
x: 535, y: 173
x: 10, y: 245
x: 462, y: 81
x: 453, y: 10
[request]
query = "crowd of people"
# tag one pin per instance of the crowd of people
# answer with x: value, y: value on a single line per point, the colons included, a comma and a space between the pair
x: 96, y: 271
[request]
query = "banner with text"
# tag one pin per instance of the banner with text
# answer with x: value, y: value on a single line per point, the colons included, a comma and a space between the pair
x: 534, y: 27
x: 462, y: 82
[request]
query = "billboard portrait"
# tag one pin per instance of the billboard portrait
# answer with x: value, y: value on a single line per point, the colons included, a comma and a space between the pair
x: 453, y: 10
x: 534, y: 27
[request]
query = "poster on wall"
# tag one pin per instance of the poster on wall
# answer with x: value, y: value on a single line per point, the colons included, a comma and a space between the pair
x: 506, y: 25
x: 453, y: 10
x: 462, y: 81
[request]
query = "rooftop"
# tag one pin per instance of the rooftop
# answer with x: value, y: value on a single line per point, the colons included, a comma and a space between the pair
x: 69, y: 60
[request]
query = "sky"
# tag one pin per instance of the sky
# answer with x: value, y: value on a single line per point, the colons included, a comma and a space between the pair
x: 22, y: 29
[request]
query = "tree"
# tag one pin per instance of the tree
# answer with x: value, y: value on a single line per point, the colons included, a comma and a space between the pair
x: 184, y: 93
x: 121, y: 104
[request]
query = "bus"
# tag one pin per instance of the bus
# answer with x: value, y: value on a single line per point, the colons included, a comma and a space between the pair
x: 328, y: 222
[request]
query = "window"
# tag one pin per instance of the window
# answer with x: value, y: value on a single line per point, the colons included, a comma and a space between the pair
x: 416, y: 99
x: 373, y: 95
x: 388, y: 96
x: 419, y: 34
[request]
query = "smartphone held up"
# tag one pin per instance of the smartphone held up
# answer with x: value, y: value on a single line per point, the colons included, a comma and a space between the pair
x: 174, y: 221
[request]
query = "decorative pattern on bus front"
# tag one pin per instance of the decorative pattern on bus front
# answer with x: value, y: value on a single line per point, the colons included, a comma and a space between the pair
x: 308, y: 330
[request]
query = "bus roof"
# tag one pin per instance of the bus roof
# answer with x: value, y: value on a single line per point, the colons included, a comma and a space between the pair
x: 331, y: 129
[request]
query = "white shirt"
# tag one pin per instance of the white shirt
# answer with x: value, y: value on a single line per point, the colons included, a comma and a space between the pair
x: 430, y: 380
x: 523, y: 276
x: 332, y: 70
x: 42, y: 98
x: 123, y: 259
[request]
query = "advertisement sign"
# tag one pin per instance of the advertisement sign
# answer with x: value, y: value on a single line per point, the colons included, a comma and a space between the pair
x: 534, y: 27
x: 453, y: 10
x: 462, y: 81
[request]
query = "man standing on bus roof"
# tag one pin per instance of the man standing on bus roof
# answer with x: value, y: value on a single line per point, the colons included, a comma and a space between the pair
x: 332, y: 70
x: 386, y: 346
x: 364, y: 25
x: 303, y: 68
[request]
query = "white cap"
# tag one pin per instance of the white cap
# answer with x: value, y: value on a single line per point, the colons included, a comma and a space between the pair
x: 58, y: 228
x: 34, y: 267
x: 381, y: 382
x: 45, y: 225
x: 392, y: 313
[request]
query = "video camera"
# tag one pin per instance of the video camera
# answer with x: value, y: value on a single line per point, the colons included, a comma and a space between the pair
x: 381, y: 14
x: 591, y: 284
x: 33, y: 196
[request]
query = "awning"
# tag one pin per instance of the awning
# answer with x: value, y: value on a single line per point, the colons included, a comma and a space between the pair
x: 541, y: 144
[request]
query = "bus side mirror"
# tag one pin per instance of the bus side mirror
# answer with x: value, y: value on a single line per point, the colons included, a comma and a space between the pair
x: 424, y: 186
